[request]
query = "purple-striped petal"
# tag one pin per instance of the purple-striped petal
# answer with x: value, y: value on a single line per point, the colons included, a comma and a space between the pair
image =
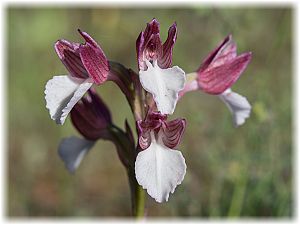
x: 93, y: 59
x: 172, y: 132
x: 165, y: 61
x: 223, y: 53
x: 148, y: 44
x: 152, y: 28
x: 144, y: 135
x: 152, y: 122
x: 68, y: 53
x: 217, y: 79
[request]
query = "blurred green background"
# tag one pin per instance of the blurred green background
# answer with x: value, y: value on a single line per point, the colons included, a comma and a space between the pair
x: 232, y: 172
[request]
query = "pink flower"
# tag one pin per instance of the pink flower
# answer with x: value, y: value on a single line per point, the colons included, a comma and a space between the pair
x: 158, y: 167
x: 86, y: 64
x: 222, y: 68
x: 217, y: 73
x: 156, y: 74
x: 149, y: 46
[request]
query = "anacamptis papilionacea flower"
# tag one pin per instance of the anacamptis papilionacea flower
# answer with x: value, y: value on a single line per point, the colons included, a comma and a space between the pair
x: 152, y: 161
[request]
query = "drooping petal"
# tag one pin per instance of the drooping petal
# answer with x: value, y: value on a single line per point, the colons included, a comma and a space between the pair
x: 68, y: 53
x: 72, y: 150
x: 164, y: 85
x: 217, y: 79
x: 159, y: 170
x: 93, y: 59
x: 91, y: 117
x: 238, y: 106
x: 165, y: 59
x: 172, y: 132
x: 62, y: 93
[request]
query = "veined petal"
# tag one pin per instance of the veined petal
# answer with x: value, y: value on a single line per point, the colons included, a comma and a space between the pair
x: 144, y: 135
x: 164, y: 85
x: 238, y: 106
x: 165, y: 60
x: 223, y: 53
x: 217, y: 79
x: 152, y: 28
x: 93, y: 59
x: 62, y: 93
x: 68, y: 53
x: 172, y: 132
x: 72, y: 150
x: 159, y: 170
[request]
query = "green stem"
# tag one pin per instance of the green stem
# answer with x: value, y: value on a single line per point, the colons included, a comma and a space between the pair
x: 140, y: 202
x: 137, y: 196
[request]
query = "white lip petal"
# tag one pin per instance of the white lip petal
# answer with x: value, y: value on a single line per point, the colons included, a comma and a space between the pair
x: 238, y: 106
x: 72, y: 150
x: 62, y: 93
x: 159, y: 170
x: 164, y: 85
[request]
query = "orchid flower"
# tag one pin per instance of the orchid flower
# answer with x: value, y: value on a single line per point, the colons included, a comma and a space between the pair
x: 86, y: 64
x: 158, y: 167
x: 155, y: 71
x: 152, y: 161
x: 218, y: 72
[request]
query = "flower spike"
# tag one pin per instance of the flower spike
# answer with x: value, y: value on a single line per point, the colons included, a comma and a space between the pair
x: 152, y: 161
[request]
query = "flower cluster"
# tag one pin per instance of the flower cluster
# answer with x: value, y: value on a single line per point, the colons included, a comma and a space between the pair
x: 152, y: 94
